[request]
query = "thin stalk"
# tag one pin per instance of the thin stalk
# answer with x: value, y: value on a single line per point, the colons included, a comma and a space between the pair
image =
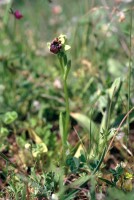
x: 90, y: 135
x: 100, y: 161
x: 61, y: 65
x: 66, y: 121
x: 118, y: 129
x: 14, y: 28
x: 130, y: 68
x: 108, y: 119
x: 67, y: 109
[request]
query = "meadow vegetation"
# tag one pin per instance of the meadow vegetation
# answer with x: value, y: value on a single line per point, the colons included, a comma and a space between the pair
x: 67, y: 100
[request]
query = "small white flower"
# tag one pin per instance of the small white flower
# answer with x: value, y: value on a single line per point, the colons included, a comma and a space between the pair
x: 54, y: 197
x: 27, y: 146
x: 36, y: 105
x: 57, y: 84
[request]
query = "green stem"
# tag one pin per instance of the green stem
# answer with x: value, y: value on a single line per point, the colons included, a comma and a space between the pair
x: 130, y: 66
x: 61, y: 64
x: 67, y: 109
x: 64, y: 77
x: 15, y: 29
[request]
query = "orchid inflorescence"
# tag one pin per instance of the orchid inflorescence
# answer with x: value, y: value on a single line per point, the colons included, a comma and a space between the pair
x: 59, y: 45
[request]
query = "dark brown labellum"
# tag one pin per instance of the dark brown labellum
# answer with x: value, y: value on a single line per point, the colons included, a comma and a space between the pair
x: 55, y: 46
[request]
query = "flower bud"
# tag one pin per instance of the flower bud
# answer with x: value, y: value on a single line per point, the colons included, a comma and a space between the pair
x: 17, y: 14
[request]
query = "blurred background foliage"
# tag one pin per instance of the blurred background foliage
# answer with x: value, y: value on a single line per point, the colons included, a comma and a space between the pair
x: 30, y: 84
x: 31, y: 90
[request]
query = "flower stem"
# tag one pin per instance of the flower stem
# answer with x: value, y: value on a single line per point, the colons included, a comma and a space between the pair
x: 66, y: 119
x: 67, y: 109
x: 61, y: 65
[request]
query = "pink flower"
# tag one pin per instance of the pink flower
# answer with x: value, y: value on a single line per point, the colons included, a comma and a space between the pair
x: 17, y: 14
x: 57, y: 9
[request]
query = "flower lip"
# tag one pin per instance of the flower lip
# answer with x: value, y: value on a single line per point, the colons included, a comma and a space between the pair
x: 55, y: 46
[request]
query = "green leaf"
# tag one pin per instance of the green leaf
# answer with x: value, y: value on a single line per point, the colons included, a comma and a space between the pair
x: 64, y: 59
x: 100, y: 161
x: 3, y: 131
x: 39, y: 149
x: 76, y: 161
x: 91, y: 128
x: 82, y: 158
x: 107, y: 181
x: 114, y: 67
x: 114, y: 88
x: 10, y: 117
x: 71, y: 195
x: 86, y: 123
x: 37, y: 140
